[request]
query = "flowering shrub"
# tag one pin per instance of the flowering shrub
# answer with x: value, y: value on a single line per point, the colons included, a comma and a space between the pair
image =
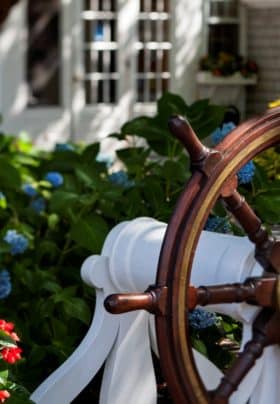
x: 10, y: 353
x: 246, y: 173
x: 17, y: 242
x: 121, y: 178
x: 221, y: 132
x: 218, y: 224
x: 5, y: 284
x: 56, y: 208
x: 29, y: 190
x: 54, y: 178
x: 200, y: 319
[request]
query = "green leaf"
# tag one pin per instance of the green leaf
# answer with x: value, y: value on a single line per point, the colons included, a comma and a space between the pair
x: 77, y: 308
x: 48, y: 249
x: 170, y: 104
x: 90, y: 232
x: 154, y: 194
x: 90, y: 173
x: 6, y: 340
x: 60, y: 328
x: 4, y: 376
x: 61, y: 200
x: 36, y: 354
x: 84, y: 177
x: 62, y: 162
x: 173, y: 171
x: 53, y: 220
x: 26, y: 160
x: 199, y: 345
x: 5, y: 142
x: 90, y: 152
x: 50, y: 286
x: 204, y: 124
x: 267, y: 206
x: 64, y: 294
x: 133, y: 157
x: 9, y: 176
x: 19, y: 395
x: 3, y: 203
x: 137, y: 126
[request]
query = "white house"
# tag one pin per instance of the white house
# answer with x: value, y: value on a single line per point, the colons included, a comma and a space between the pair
x: 76, y: 69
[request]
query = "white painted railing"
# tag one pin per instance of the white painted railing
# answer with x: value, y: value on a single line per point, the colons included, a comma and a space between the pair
x: 128, y: 263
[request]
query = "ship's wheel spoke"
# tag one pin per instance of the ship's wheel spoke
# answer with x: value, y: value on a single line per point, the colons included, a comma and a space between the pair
x: 265, y: 332
x: 267, y: 247
x: 262, y: 291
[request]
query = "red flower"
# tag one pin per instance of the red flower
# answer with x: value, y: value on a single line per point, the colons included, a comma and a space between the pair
x: 8, y: 328
x: 11, y: 355
x: 3, y: 395
x: 14, y: 336
x: 5, y: 326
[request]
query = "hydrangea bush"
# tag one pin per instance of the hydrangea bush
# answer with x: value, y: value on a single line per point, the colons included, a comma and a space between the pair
x: 56, y: 208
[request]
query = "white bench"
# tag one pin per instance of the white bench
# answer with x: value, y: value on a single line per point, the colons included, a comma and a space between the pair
x: 128, y: 263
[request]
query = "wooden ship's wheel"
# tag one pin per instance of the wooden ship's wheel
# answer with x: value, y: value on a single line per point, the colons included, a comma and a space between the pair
x: 214, y: 177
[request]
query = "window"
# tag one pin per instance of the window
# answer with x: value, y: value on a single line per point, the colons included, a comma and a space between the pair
x: 100, y: 51
x: 223, y: 26
x: 43, y: 56
x: 153, y: 50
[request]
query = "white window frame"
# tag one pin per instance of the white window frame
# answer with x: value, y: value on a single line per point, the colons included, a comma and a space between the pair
x: 242, y: 17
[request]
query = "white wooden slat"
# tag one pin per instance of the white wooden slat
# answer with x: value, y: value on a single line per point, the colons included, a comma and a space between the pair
x: 106, y: 85
x: 102, y: 76
x: 101, y: 46
x: 153, y: 45
x: 106, y: 5
x: 223, y: 20
x: 94, y: 59
x: 153, y: 75
x: 98, y: 15
x: 106, y: 57
x: 159, y: 52
x: 94, y: 83
x: 147, y: 37
x: 155, y: 16
x: 94, y: 4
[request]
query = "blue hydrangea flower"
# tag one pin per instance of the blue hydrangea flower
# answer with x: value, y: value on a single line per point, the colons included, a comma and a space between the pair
x: 61, y: 147
x: 55, y: 178
x: 5, y: 284
x: 18, y: 243
x: 217, y: 224
x: 200, y: 319
x: 220, y: 133
x: 38, y: 205
x: 246, y: 173
x: 29, y: 190
x: 121, y: 178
